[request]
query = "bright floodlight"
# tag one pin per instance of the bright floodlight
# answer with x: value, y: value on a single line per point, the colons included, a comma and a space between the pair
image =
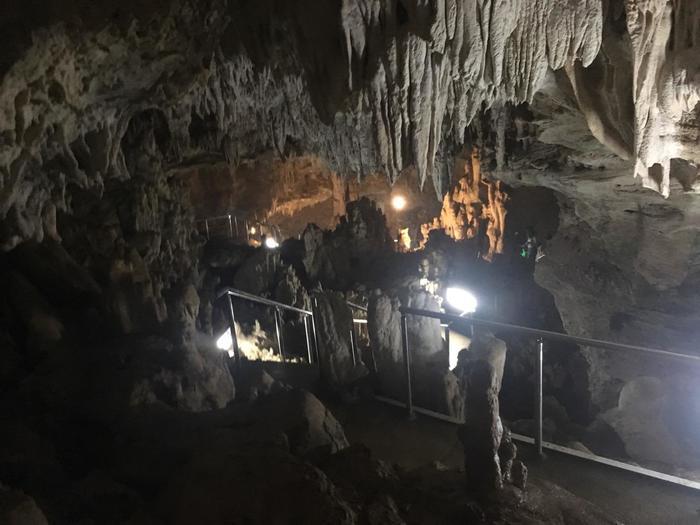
x: 461, y: 299
x: 271, y: 243
x: 225, y: 341
x: 398, y: 202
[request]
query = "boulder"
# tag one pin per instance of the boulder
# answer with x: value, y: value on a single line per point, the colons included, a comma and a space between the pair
x: 489, y: 452
x: 16, y: 508
x: 136, y: 299
x: 257, y: 273
x: 354, y: 469
x: 640, y: 419
x: 334, y: 323
x: 52, y: 269
x: 39, y: 319
x: 253, y: 382
x: 383, y: 511
x: 347, y: 254
x: 289, y: 289
x: 252, y: 485
x: 434, y: 386
x: 310, y: 427
x: 141, y: 371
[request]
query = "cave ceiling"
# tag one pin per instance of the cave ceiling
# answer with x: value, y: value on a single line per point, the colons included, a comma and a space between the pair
x: 369, y: 86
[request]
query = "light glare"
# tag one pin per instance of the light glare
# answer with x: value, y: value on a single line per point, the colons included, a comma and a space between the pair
x: 461, y: 299
x: 225, y: 342
x: 398, y: 202
x: 271, y: 243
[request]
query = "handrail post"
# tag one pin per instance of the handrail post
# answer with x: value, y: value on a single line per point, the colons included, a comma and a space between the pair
x: 538, y: 396
x: 206, y: 227
x: 353, y: 344
x: 230, y: 227
x: 407, y: 364
x: 308, y: 340
x: 278, y: 330
x: 235, y: 222
x: 234, y: 339
x: 314, y: 329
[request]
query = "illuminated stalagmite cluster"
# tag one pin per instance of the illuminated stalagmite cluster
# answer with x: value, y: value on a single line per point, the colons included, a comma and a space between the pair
x: 475, y: 206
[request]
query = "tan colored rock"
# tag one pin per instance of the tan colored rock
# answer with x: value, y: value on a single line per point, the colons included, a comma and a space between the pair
x: 474, y: 208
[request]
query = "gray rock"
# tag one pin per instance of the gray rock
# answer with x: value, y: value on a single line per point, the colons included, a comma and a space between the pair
x: 54, y: 271
x: 309, y: 426
x: 333, y: 319
x: 16, y: 508
x: 644, y: 420
x: 383, y: 511
x: 257, y: 273
x: 481, y: 373
x: 434, y: 386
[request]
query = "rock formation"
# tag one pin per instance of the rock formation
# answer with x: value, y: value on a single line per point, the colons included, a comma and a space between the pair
x: 489, y: 452
x: 434, y: 386
x: 17, y: 508
x: 381, y: 88
x: 473, y: 208
x: 104, y: 111
x: 341, y: 365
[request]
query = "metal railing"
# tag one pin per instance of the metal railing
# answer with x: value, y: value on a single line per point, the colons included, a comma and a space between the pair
x: 542, y: 336
x: 237, y: 226
x: 231, y: 293
x: 354, y: 333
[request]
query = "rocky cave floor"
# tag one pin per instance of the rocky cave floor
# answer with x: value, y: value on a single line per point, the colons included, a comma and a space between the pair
x: 280, y: 458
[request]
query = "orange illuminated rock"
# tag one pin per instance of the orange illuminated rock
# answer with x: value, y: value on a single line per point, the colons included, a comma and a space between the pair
x: 474, y: 208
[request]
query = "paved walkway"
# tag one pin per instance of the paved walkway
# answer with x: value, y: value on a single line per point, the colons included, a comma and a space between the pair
x: 627, y: 497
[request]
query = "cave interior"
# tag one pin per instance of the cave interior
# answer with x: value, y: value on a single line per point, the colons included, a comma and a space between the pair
x: 214, y: 215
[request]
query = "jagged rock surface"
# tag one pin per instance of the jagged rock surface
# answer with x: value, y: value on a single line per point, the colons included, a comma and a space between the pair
x: 333, y: 318
x: 489, y: 452
x: 475, y: 207
x: 382, y: 86
x: 347, y: 255
x: 434, y: 385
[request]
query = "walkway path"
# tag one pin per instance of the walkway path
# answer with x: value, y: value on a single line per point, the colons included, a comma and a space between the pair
x: 627, y: 497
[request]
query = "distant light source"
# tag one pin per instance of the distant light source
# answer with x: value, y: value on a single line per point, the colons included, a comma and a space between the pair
x: 398, y: 202
x: 271, y: 243
x: 252, y: 230
x: 461, y: 299
x: 225, y: 342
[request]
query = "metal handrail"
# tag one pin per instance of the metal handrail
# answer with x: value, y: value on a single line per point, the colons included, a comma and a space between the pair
x: 546, y: 334
x: 262, y: 300
x: 541, y: 336
x: 357, y: 306
x: 233, y: 225
x: 230, y: 293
